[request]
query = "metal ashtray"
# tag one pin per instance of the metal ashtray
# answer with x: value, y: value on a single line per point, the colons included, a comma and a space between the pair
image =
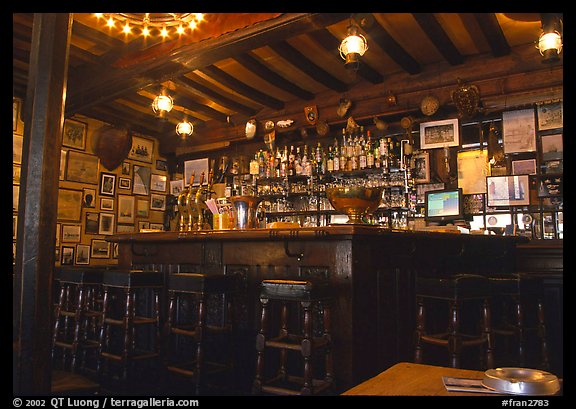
x: 521, y: 381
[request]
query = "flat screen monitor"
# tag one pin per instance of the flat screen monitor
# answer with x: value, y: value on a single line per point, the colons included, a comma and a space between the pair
x: 443, y: 206
x: 507, y: 190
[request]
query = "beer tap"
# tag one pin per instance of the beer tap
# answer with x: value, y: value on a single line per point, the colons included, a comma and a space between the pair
x: 199, y: 203
x: 183, y: 209
x: 190, y: 201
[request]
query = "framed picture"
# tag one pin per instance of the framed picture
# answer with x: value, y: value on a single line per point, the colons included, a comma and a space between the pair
x: 473, y: 167
x: 550, y: 116
x: 82, y: 254
x: 143, y: 225
x: 106, y: 225
x: 550, y: 186
x: 15, y: 114
x: 142, y: 149
x: 74, y: 134
x: 125, y: 209
x: 67, y: 256
x: 141, y: 180
x: 158, y: 182
x: 552, y: 147
x: 157, y: 202
x: 507, y: 190
x: 89, y: 197
x: 91, y: 222
x: 196, y: 167
x: 69, y: 204
x: 82, y: 167
x: 421, y: 167
x: 107, y: 204
x: 107, y: 184
x: 70, y: 233
x: 62, y: 164
x: 125, y: 228
x: 422, y: 189
x: 17, y: 141
x: 100, y: 249
x: 439, y: 134
x: 124, y: 183
x: 142, y: 207
x: 161, y: 165
x: 518, y: 131
x: 125, y: 168
x: 15, y: 197
x: 16, y: 174
x: 156, y: 226
x: 15, y: 226
x: 176, y: 186
x: 58, y: 228
x: 524, y: 167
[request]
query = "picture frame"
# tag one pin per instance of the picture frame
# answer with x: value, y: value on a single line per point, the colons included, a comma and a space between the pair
x: 14, y: 226
x: 125, y: 228
x: 106, y: 224
x: 115, y: 252
x: 58, y: 229
x: 157, y: 202
x: 142, y: 208
x: 550, y: 186
x: 82, y: 254
x: 552, y: 147
x: 91, y: 222
x: 142, y: 149
x: 107, y: 204
x: 69, y: 204
x: 82, y: 167
x: 519, y: 131
x: 141, y: 180
x: 507, y: 190
x: 176, y: 186
x: 67, y: 255
x: 74, y: 134
x: 156, y: 226
x: 16, y: 171
x: 158, y: 182
x: 71, y: 233
x: 550, y: 115
x: 439, y: 134
x: 15, y: 114
x: 124, y: 183
x: 107, y: 184
x: 421, y: 167
x: 125, y: 168
x: 196, y: 167
x: 125, y: 209
x: 161, y: 165
x: 63, y: 155
x: 15, y: 197
x: 473, y: 167
x: 422, y: 189
x: 143, y: 225
x: 17, y: 143
x: 524, y: 167
x: 89, y: 198
x: 100, y: 248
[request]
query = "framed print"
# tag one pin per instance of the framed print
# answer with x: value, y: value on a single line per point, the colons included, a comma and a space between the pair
x: 550, y: 186
x: 69, y: 204
x: 74, y: 134
x: 161, y: 165
x: 421, y: 167
x: 89, y: 198
x: 142, y: 149
x: 550, y: 116
x: 58, y: 228
x: 125, y: 168
x: 82, y: 254
x: 15, y: 197
x: 518, y: 131
x: 82, y: 167
x: 17, y: 142
x: 100, y: 249
x: 16, y: 174
x: 124, y: 183
x: 422, y: 189
x: 142, y: 208
x: 143, y: 226
x: 62, y: 164
x: 125, y: 209
x: 106, y: 204
x: 552, y: 147
x: 67, y: 256
x: 524, y: 167
x: 473, y: 167
x: 70, y: 233
x: 15, y: 227
x: 158, y: 182
x: 107, y: 184
x: 553, y: 166
x: 507, y: 190
x: 196, y: 167
x: 91, y: 222
x: 176, y: 186
x: 125, y: 228
x: 141, y: 180
x: 439, y: 134
x: 15, y: 114
x: 106, y: 225
x: 156, y: 226
x: 157, y: 202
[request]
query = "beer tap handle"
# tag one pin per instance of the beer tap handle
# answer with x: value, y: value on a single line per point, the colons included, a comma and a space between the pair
x: 192, y: 179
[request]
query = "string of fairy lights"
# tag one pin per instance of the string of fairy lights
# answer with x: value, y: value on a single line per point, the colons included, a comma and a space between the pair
x: 164, y: 25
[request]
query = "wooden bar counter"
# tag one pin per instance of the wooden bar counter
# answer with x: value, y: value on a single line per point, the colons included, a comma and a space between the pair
x: 372, y: 270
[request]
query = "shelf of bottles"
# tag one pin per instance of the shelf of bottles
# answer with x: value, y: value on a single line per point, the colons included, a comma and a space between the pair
x: 292, y: 179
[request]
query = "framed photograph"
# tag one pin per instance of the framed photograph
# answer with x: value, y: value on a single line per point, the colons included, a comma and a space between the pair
x: 473, y: 167
x: 524, y: 167
x: 143, y: 226
x: 106, y: 225
x: 62, y: 164
x: 550, y: 116
x: 107, y: 204
x: 107, y: 184
x: 125, y: 228
x: 89, y: 198
x: 142, y: 207
x: 439, y: 134
x: 125, y: 168
x: 176, y: 186
x: 507, y: 190
x: 161, y: 165
x: 91, y: 222
x: 550, y: 186
x: 15, y: 114
x: 58, y: 228
x: 125, y: 209
x: 82, y: 254
x: 74, y: 134
x: 158, y: 182
x: 17, y: 142
x: 15, y: 226
x: 519, y: 131
x: 141, y: 180
x: 124, y: 183
x: 553, y: 166
x: 422, y: 189
x: 142, y: 149
x: 82, y: 167
x: 16, y: 174
x: 15, y: 197
x: 552, y: 147
x: 70, y: 233
x: 157, y: 202
x: 196, y: 167
x: 67, y: 256
x: 421, y: 167
x: 69, y: 204
x: 156, y: 226
x: 100, y: 249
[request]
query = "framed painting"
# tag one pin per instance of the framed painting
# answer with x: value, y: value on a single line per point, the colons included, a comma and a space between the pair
x: 552, y: 147
x: 158, y: 182
x: 125, y: 168
x: 143, y: 226
x: 15, y: 197
x: 142, y: 207
x: 15, y: 114
x: 524, y: 167
x: 157, y: 202
x: 142, y: 149
x: 100, y: 248
x: 69, y: 204
x: 106, y: 225
x: 125, y: 228
x: 156, y: 226
x: 519, y: 131
x: 107, y: 204
x: 82, y: 167
x: 89, y: 198
x: 67, y: 255
x: 439, y: 134
x: 176, y: 186
x: 70, y: 233
x: 91, y: 222
x: 473, y: 167
x: 82, y: 254
x: 63, y: 154
x: 107, y: 184
x: 16, y: 174
x: 124, y: 183
x: 195, y: 167
x: 17, y: 142
x: 161, y: 165
x: 550, y: 116
x: 421, y: 167
x: 74, y: 134
x: 141, y: 180
x: 125, y: 209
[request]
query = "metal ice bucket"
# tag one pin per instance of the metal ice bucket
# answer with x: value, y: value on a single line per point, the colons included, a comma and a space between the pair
x: 246, y: 207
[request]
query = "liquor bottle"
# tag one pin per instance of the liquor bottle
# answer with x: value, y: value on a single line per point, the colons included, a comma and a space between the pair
x: 369, y: 152
x: 254, y: 170
x: 343, y: 158
x: 336, y: 156
x: 377, y: 159
x: 384, y: 154
x: 284, y: 162
x: 291, y: 158
x: 330, y: 160
x: 298, y: 162
x: 362, y: 156
x: 277, y: 161
x: 261, y: 163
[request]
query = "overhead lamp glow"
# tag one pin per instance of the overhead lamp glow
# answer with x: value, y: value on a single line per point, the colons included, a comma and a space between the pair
x: 184, y: 129
x: 162, y: 104
x: 353, y: 47
x: 550, y: 46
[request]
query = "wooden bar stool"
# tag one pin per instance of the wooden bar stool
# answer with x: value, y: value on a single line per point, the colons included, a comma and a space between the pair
x: 76, y: 317
x: 201, y: 311
x: 301, y: 300
x: 136, y: 294
x: 461, y: 293
x: 519, y: 311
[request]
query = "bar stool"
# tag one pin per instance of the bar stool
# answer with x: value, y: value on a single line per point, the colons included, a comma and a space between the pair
x: 519, y: 311
x: 461, y: 292
x: 191, y: 295
x: 77, y: 316
x: 138, y: 293
x: 303, y: 299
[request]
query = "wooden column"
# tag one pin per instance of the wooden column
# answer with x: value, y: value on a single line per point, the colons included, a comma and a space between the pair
x: 38, y: 203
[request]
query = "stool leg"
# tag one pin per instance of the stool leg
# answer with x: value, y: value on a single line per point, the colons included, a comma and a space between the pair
x: 487, y: 332
x: 545, y: 362
x: 260, y: 347
x: 128, y: 335
x: 282, y: 372
x: 307, y: 388
x: 200, y: 341
x: 420, y: 331
x: 102, y: 337
x: 454, y: 337
x: 327, y: 322
x: 59, y: 307
x: 77, y: 324
x: 519, y: 310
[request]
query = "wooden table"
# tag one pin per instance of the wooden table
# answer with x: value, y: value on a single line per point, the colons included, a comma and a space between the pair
x: 409, y: 379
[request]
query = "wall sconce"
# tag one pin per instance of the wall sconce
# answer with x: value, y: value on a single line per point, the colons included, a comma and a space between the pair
x: 162, y: 104
x: 184, y: 129
x: 550, y: 41
x: 353, y: 47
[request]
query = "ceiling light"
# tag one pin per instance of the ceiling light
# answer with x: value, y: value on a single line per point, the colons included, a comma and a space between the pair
x: 162, y: 104
x: 184, y: 129
x: 147, y: 24
x: 353, y: 47
x: 550, y: 41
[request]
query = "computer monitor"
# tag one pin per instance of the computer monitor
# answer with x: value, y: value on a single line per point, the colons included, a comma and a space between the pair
x: 507, y: 190
x: 443, y: 206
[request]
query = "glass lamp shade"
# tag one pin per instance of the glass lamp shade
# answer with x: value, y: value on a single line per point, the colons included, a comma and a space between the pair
x: 353, y: 46
x: 184, y: 128
x: 550, y: 45
x: 162, y: 104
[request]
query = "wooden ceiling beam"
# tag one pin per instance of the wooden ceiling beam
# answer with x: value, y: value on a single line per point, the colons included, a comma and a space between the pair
x: 439, y: 38
x: 492, y: 31
x: 389, y: 45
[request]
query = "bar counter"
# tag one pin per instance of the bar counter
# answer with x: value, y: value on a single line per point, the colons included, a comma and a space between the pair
x: 372, y: 270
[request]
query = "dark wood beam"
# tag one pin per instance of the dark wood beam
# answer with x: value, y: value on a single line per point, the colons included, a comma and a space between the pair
x: 491, y: 29
x: 186, y: 102
x: 439, y: 38
x: 150, y: 118
x: 250, y: 62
